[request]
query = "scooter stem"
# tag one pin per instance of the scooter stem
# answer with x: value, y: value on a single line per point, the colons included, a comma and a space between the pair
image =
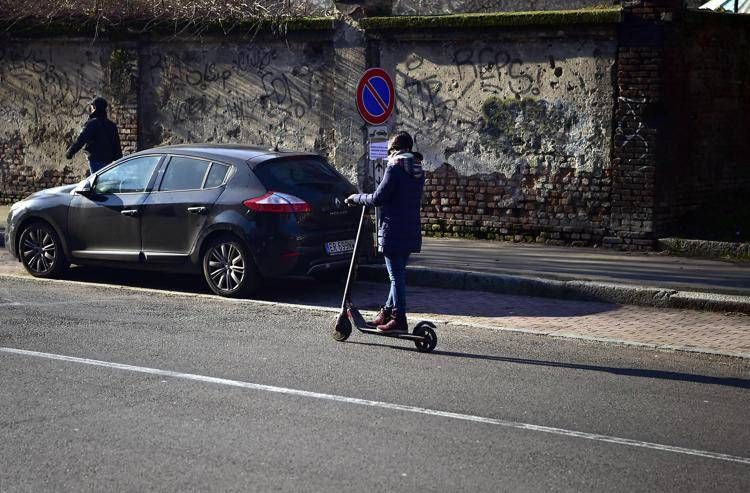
x: 353, y: 263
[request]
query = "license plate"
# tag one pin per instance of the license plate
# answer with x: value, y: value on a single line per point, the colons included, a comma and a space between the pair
x: 338, y: 247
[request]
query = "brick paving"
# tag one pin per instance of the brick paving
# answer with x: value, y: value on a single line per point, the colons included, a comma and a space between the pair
x: 721, y: 333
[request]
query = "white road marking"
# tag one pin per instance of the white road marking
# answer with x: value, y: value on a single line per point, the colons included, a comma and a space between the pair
x: 385, y: 405
x: 7, y: 303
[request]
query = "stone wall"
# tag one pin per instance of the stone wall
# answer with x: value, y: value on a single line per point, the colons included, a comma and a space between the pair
x: 515, y: 129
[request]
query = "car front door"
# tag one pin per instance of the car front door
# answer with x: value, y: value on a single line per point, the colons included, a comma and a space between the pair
x: 176, y: 211
x: 105, y: 223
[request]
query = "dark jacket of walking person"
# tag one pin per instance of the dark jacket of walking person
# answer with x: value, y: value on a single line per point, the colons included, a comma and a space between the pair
x: 99, y: 137
x: 399, y: 197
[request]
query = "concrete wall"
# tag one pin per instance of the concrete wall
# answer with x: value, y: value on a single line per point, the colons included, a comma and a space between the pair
x: 498, y: 105
x: 262, y: 92
x: 515, y: 129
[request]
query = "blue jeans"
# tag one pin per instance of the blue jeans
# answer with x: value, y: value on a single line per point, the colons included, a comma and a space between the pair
x: 396, y: 265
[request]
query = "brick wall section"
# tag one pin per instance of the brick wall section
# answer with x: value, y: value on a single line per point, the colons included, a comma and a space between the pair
x: 637, y: 126
x: 566, y: 207
x: 126, y: 118
x: 18, y: 180
x: 123, y: 91
x: 708, y: 169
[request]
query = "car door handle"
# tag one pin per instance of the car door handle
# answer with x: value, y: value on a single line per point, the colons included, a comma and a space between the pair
x: 129, y: 212
x: 197, y: 210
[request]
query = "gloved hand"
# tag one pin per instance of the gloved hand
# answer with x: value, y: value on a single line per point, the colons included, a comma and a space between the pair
x: 350, y: 200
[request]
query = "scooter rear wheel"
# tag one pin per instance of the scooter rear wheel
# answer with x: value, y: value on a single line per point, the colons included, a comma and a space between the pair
x: 425, y: 329
x: 342, y: 328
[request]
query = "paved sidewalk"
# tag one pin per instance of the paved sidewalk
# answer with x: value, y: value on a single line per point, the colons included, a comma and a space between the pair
x: 684, y: 330
x: 648, y: 279
x: 586, y: 264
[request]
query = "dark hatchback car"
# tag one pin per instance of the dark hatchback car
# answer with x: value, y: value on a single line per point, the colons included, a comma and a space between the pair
x: 235, y: 213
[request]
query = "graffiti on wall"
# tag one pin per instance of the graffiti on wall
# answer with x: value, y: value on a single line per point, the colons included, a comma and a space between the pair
x: 43, y: 94
x: 433, y: 7
x: 265, y: 95
x: 631, y: 138
x: 496, y: 107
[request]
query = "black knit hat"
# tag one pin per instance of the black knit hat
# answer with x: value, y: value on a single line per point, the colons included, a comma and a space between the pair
x: 401, y: 141
x: 99, y: 103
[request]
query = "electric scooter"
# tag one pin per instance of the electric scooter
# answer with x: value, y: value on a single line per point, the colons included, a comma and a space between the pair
x: 423, y: 335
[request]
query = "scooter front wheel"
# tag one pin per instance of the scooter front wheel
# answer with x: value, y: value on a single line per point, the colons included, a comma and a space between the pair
x: 342, y: 328
x: 425, y: 329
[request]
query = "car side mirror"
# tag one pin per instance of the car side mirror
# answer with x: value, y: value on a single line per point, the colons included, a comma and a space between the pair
x: 85, y: 188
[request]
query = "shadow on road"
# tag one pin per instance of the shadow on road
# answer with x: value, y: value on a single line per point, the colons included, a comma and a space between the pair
x: 368, y: 296
x: 628, y: 372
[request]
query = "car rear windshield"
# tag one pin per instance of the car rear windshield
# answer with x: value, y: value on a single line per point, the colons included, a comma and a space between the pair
x: 287, y: 175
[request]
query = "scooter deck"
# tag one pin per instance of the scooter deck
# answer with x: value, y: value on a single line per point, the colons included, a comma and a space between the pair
x: 361, y: 324
x: 395, y: 335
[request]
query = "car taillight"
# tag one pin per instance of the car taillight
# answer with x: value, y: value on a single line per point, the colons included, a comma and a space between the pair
x: 277, y: 202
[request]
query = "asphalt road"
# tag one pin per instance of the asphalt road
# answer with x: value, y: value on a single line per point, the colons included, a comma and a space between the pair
x: 294, y: 410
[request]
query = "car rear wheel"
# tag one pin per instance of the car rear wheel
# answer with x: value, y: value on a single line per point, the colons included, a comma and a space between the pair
x: 228, y: 268
x: 41, y: 251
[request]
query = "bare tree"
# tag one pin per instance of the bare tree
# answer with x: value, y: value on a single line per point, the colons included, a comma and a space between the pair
x: 148, y: 13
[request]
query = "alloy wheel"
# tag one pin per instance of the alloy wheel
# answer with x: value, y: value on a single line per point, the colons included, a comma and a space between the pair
x: 38, y: 250
x: 226, y: 267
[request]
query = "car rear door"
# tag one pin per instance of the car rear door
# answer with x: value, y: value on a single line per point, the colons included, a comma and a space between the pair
x: 105, y: 224
x: 176, y: 211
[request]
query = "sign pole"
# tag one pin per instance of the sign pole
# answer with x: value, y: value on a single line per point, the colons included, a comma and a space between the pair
x: 375, y: 100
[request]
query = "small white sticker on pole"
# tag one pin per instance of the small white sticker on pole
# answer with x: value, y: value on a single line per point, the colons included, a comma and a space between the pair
x: 378, y: 150
x: 377, y: 146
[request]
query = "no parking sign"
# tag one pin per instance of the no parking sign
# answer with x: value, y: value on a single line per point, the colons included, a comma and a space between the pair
x: 375, y: 96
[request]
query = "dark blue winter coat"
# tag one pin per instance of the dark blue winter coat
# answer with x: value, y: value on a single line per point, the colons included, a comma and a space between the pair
x: 99, y: 138
x: 399, y: 197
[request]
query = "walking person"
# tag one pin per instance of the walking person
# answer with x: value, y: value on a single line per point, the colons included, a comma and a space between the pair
x: 399, y: 197
x: 99, y: 137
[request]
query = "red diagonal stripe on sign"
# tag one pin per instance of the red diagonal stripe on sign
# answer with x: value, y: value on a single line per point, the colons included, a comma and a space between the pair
x: 375, y: 94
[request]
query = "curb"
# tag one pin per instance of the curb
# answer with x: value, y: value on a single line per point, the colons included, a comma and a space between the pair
x: 572, y: 290
x: 704, y: 248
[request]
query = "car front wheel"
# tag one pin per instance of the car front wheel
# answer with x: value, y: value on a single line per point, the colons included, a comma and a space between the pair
x: 41, y: 251
x: 228, y: 268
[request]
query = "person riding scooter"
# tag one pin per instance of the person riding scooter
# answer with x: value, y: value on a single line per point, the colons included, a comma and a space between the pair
x: 399, y: 197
